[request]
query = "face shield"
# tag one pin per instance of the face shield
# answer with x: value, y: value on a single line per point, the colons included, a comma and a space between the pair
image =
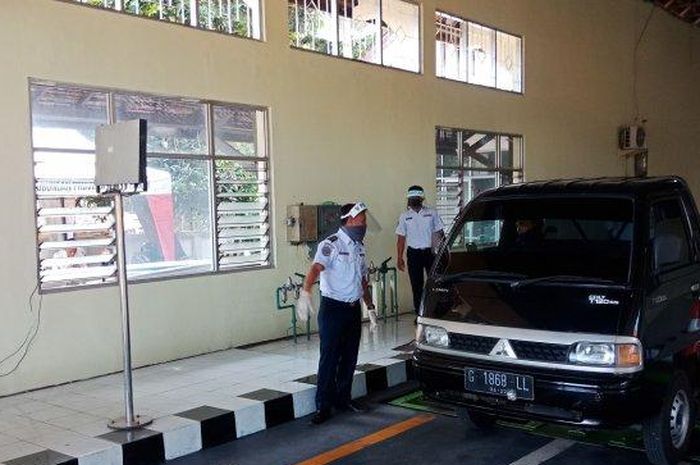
x: 373, y: 225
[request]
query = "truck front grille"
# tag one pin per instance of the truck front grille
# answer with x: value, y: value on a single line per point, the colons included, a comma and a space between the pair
x: 471, y: 343
x: 540, y: 351
x: 525, y: 350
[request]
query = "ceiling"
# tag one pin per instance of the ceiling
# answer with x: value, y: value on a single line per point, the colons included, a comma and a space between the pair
x: 685, y: 10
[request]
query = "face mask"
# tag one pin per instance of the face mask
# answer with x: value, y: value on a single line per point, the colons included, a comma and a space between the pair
x: 356, y: 233
x: 415, y: 202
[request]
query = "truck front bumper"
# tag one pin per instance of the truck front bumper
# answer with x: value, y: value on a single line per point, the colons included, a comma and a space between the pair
x: 562, y: 396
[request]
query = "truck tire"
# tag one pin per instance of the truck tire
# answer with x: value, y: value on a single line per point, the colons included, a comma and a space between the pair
x: 667, y: 434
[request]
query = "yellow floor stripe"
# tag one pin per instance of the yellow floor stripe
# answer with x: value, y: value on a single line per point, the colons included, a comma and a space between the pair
x: 369, y: 440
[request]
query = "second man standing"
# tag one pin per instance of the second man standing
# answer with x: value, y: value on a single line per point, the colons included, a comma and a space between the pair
x: 417, y: 227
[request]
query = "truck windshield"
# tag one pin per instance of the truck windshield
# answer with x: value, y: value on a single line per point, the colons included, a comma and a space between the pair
x: 588, y: 237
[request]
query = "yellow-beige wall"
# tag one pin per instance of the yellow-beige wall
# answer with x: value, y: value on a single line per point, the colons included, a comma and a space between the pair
x: 340, y: 130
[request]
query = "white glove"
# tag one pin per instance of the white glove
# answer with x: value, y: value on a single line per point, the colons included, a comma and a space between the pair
x: 373, y: 325
x: 305, y: 307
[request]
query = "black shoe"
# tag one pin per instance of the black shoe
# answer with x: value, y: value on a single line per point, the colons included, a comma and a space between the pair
x: 321, y: 416
x: 354, y: 407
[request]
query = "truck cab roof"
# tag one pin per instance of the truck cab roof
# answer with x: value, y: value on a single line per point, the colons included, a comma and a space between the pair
x: 632, y: 187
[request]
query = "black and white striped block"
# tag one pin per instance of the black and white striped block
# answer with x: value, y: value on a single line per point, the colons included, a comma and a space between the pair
x: 142, y: 446
x: 220, y: 420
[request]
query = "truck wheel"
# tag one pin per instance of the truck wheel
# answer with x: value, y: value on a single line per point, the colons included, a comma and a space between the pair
x: 667, y: 434
x: 482, y: 421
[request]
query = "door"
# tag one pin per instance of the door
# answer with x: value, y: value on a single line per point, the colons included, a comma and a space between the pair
x: 674, y: 278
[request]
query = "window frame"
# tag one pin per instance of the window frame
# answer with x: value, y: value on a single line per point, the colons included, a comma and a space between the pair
x: 462, y: 170
x: 466, y: 70
x: 421, y: 64
x: 187, y: 25
x: 671, y: 271
x: 210, y: 157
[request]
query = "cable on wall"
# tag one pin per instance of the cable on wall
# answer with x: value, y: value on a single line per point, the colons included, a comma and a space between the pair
x: 29, y: 338
x: 634, y: 61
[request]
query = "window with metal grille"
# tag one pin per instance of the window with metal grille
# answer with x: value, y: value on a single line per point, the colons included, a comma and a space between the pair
x: 471, y: 52
x: 384, y: 32
x: 469, y: 162
x: 236, y: 17
x: 207, y: 204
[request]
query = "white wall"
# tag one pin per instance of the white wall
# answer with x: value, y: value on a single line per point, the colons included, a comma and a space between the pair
x: 340, y: 130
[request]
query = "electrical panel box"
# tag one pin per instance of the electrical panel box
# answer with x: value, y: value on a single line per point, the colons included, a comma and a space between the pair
x: 328, y: 220
x: 120, y: 156
x: 302, y: 223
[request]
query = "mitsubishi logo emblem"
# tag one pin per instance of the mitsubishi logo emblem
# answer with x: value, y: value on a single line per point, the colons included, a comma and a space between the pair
x: 503, y: 349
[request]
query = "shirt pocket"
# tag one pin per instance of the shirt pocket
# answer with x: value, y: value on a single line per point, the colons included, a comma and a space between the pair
x: 349, y: 265
x: 344, y: 262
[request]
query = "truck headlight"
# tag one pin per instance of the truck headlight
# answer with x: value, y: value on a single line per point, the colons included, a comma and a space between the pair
x: 606, y: 354
x: 434, y: 336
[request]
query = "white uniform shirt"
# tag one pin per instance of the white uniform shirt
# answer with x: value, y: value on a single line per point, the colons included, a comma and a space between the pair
x: 344, y: 266
x: 418, y: 227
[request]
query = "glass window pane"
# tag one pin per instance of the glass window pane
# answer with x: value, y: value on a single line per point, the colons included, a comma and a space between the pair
x: 312, y: 25
x: 479, y: 150
x: 401, y: 34
x: 251, y: 20
x: 511, y: 177
x: 238, y: 17
x: 448, y: 195
x: 358, y: 26
x: 668, y: 234
x: 450, y: 47
x: 64, y: 173
x: 482, y: 55
x: 66, y: 117
x: 168, y: 228
x: 477, y: 182
x: 511, y: 152
x: 447, y: 147
x: 509, y: 69
x: 102, y: 3
x: 506, y: 151
x: 239, y: 131
x: 174, y: 126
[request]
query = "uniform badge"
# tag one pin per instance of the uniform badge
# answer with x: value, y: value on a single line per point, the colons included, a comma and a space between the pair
x: 326, y: 250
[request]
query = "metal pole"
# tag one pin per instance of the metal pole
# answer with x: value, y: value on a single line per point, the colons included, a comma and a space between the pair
x: 129, y: 421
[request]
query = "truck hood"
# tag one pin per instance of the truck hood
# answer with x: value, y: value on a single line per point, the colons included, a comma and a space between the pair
x: 548, y: 306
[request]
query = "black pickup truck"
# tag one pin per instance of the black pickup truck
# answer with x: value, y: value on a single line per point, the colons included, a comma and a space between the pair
x: 570, y: 301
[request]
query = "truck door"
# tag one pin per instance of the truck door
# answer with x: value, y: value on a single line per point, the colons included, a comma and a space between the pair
x: 675, y: 277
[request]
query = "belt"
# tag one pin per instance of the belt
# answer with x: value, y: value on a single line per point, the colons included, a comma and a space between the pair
x: 342, y: 302
x: 421, y: 249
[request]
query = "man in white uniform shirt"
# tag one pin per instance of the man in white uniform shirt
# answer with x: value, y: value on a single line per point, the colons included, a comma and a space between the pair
x: 417, y: 227
x: 340, y: 262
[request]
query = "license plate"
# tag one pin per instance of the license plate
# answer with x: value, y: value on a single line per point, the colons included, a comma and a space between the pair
x: 498, y: 383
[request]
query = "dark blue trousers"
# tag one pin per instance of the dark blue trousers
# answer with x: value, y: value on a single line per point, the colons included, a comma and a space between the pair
x: 340, y: 327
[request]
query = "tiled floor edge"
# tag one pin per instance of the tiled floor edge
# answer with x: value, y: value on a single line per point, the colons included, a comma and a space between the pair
x: 206, y: 426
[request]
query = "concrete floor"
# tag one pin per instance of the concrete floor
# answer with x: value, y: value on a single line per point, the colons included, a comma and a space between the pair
x: 444, y: 440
